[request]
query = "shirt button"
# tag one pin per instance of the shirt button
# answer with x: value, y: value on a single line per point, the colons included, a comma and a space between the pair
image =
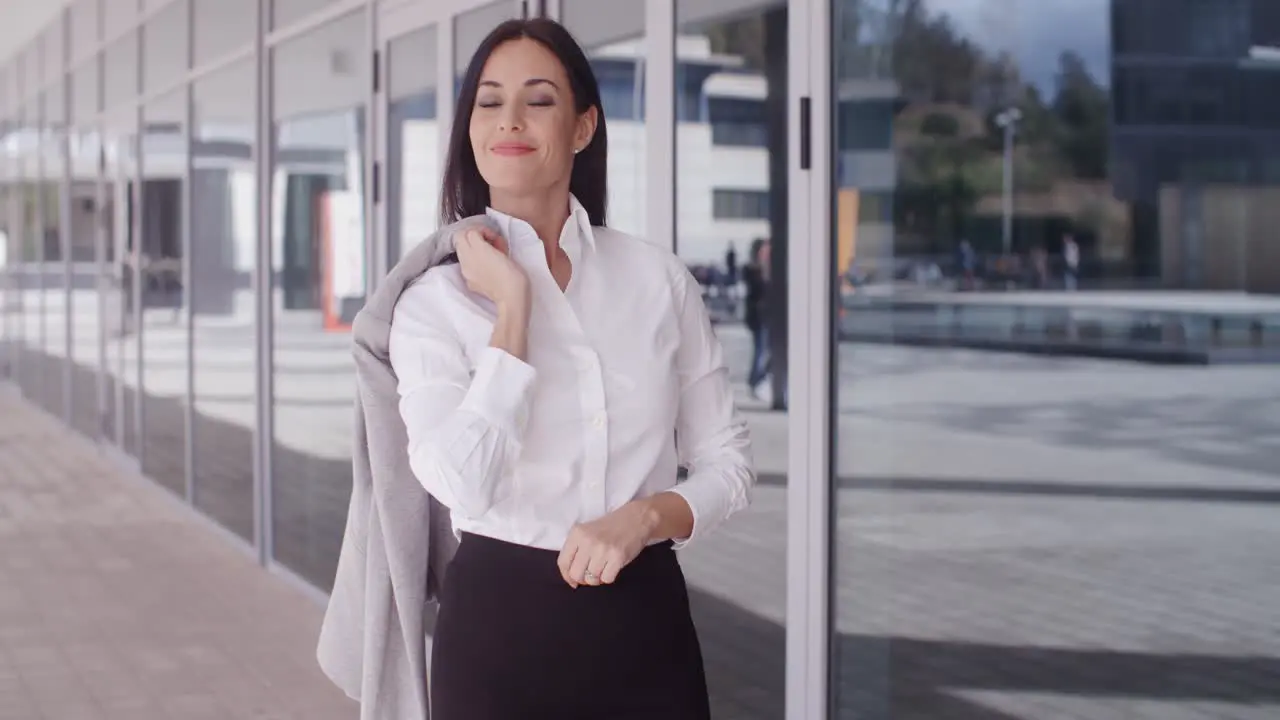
x: 599, y: 421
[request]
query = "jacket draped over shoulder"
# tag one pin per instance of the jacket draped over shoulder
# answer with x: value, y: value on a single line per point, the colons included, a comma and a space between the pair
x: 398, y: 539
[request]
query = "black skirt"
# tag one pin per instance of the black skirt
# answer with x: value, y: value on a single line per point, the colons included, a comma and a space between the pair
x: 514, y: 641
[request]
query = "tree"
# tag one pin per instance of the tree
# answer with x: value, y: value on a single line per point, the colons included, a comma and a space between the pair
x: 1081, y: 107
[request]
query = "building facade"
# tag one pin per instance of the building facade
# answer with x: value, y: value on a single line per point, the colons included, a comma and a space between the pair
x: 1017, y: 448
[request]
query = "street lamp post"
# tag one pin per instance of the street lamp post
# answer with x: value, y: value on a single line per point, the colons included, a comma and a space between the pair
x: 1007, y: 120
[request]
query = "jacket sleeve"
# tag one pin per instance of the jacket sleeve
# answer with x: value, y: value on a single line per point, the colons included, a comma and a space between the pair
x: 712, y: 438
x: 465, y: 429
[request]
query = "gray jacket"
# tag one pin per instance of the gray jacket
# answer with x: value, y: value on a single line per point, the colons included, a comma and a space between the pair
x: 398, y: 538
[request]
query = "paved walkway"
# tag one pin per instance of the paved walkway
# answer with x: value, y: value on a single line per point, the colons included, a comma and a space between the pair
x: 117, y: 602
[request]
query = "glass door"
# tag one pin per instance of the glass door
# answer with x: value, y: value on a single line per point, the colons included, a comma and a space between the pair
x: 1057, y: 400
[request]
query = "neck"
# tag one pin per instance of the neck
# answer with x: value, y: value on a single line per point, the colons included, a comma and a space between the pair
x: 546, y: 211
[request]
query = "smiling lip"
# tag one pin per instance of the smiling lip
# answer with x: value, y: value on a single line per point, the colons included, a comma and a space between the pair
x: 512, y: 149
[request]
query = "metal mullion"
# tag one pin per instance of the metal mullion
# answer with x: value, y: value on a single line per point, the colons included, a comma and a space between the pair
x: 188, y: 197
x: 373, y: 155
x: 135, y: 290
x: 100, y: 261
x: 263, y: 384
x: 809, y: 382
x: 64, y: 220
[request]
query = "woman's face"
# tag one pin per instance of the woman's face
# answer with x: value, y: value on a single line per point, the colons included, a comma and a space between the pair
x: 524, y: 128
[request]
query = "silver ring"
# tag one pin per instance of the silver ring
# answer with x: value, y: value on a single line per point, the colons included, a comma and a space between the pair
x: 591, y: 576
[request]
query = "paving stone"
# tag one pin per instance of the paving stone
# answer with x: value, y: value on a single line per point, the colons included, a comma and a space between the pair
x: 118, y: 603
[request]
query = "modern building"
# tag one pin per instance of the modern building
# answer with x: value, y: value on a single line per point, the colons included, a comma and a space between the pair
x: 1196, y: 120
x: 197, y: 195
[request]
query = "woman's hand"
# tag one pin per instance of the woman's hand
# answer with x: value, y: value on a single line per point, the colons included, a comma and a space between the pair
x: 488, y: 268
x: 595, y: 552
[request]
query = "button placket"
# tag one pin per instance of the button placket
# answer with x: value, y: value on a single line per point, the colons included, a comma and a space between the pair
x: 596, y: 422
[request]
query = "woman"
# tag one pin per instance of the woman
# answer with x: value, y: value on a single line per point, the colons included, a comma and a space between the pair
x: 551, y: 382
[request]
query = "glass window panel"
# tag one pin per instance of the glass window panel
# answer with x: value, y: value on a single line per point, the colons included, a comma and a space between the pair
x: 83, y: 216
x: 52, y: 65
x: 616, y: 51
x: 120, y: 68
x: 319, y: 282
x: 164, y: 333
x: 1056, y: 331
x: 85, y: 91
x: 8, y: 268
x: 731, y: 172
x: 84, y: 27
x: 413, y: 142
x: 32, y: 74
x: 117, y: 15
x: 287, y: 12
x: 119, y: 202
x: 224, y: 245
x: 25, y: 220
x: 48, y: 236
x: 11, y: 311
x: 81, y: 219
x: 470, y: 29
x: 222, y: 26
x: 165, y: 48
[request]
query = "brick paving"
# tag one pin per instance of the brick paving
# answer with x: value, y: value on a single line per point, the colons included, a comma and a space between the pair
x: 118, y: 603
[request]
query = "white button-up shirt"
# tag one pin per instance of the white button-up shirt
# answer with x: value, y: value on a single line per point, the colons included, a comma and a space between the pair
x: 624, y: 381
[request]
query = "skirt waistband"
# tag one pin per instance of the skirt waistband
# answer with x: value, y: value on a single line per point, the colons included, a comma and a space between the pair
x: 523, y: 562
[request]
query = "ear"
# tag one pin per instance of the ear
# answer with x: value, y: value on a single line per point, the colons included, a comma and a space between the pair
x: 585, y: 128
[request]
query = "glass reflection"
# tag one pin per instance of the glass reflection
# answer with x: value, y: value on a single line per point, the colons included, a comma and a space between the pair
x: 224, y: 243
x: 319, y: 282
x: 287, y: 12
x: 121, y: 292
x: 223, y: 26
x: 612, y: 34
x: 413, y: 142
x: 164, y: 47
x: 1056, y: 402
x: 84, y: 216
x: 160, y: 292
x: 470, y: 29
x: 24, y: 219
x: 49, y: 233
x: 731, y: 143
x: 9, y: 311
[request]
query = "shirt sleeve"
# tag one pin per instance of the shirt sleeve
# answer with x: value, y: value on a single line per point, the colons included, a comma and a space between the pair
x: 465, y: 431
x: 712, y: 438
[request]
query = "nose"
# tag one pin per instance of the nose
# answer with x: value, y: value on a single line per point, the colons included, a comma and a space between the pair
x: 512, y: 118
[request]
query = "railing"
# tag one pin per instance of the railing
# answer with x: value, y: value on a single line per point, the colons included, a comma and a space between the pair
x: 1063, y: 325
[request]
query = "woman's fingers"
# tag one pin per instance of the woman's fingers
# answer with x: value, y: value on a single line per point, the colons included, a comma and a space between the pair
x: 578, y: 570
x: 565, y: 562
x: 587, y: 560
x: 613, y: 564
x: 595, y: 569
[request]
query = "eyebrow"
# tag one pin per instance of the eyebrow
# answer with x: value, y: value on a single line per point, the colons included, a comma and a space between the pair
x: 527, y: 83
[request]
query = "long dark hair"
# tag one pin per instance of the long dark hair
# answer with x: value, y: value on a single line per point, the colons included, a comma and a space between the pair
x: 464, y: 191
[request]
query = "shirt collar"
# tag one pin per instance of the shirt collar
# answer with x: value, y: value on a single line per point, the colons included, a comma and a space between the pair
x: 518, y: 232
